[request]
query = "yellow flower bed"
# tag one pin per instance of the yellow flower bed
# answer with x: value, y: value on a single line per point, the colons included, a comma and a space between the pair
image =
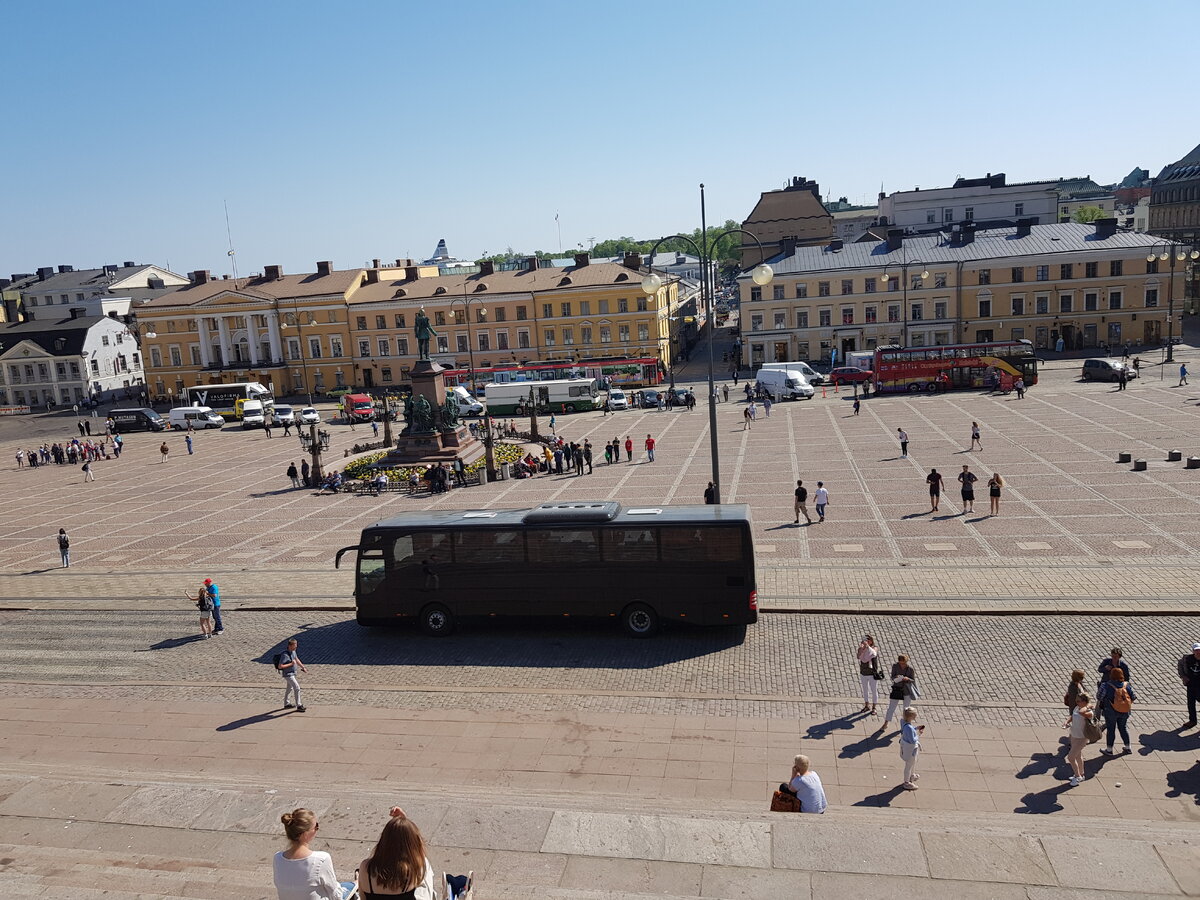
x: 361, y: 467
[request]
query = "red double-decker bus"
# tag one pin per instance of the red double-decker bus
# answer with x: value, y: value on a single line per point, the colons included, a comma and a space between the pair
x: 993, y: 365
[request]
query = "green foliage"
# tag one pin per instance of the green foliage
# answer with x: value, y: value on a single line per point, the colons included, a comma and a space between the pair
x: 1087, y: 214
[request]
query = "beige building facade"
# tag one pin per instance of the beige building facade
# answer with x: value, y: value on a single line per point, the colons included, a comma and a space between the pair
x: 1088, y: 285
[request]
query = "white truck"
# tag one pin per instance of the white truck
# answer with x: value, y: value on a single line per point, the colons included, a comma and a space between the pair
x: 784, y: 384
x: 467, y: 405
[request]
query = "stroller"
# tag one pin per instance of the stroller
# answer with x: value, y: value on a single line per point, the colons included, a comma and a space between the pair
x: 458, y: 887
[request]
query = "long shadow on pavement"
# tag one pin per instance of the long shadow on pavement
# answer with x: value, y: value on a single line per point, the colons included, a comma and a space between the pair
x: 822, y: 730
x: 172, y: 643
x: 1049, y: 763
x: 883, y: 798
x: 255, y: 720
x: 1046, y: 802
x: 877, y: 740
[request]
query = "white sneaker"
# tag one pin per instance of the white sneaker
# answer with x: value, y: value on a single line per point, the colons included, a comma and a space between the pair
x: 1074, y: 780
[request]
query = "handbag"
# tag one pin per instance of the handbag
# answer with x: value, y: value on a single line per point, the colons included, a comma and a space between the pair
x: 1091, y: 730
x: 784, y: 800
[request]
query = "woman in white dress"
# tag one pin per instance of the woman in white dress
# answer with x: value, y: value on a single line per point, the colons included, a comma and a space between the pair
x: 868, y: 668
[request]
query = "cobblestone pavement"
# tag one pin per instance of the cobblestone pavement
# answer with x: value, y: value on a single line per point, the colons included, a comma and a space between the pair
x: 778, y: 666
x: 1074, y: 526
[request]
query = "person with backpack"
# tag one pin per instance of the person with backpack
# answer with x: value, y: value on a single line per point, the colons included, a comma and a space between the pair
x: 286, y: 663
x: 203, y: 603
x: 64, y: 548
x: 214, y: 593
x: 1116, y: 698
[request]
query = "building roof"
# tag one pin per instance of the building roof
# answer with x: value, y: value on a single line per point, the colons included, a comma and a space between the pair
x: 73, y: 332
x: 90, y: 279
x: 595, y: 274
x: 999, y: 243
x: 1185, y: 169
x: 283, y: 288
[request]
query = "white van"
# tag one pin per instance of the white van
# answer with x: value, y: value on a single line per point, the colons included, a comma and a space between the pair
x: 467, y: 405
x: 811, y: 376
x: 784, y: 385
x: 254, y: 415
x: 198, y: 416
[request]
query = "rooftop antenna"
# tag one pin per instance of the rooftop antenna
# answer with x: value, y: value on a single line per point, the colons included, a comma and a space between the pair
x: 231, y: 253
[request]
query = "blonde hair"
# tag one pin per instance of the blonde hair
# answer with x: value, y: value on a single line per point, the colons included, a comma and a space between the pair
x: 910, y: 713
x: 998, y: 478
x: 801, y: 764
x: 297, y: 822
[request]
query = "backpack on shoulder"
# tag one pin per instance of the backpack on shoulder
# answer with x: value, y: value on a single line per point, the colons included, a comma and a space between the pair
x: 1121, y: 701
x: 278, y: 660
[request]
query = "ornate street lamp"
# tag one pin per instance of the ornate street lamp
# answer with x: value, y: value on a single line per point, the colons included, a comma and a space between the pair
x: 904, y: 265
x: 1175, y: 253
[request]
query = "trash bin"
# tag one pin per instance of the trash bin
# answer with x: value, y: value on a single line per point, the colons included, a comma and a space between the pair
x: 505, y: 471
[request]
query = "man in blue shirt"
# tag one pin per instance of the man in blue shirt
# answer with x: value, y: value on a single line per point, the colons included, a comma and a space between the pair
x: 289, y: 661
x: 215, y: 593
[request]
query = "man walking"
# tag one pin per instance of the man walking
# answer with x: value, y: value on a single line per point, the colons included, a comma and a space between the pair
x: 650, y: 447
x: 629, y: 448
x: 934, y: 480
x: 710, y: 494
x: 821, y: 497
x: 1122, y: 378
x: 800, y: 505
x: 967, y: 479
x: 857, y: 405
x: 215, y: 593
x: 88, y: 474
x: 305, y: 473
x: 903, y: 436
x: 294, y: 474
x: 64, y: 548
x: 1019, y: 387
x: 1189, y: 674
x: 164, y: 450
x: 587, y: 454
x: 188, y: 440
x: 1182, y: 374
x: 287, y: 662
x: 725, y: 392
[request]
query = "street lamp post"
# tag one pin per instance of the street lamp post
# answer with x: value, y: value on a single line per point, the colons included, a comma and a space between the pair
x: 1173, y: 252
x: 651, y: 284
x: 299, y: 326
x: 904, y: 265
x: 488, y: 455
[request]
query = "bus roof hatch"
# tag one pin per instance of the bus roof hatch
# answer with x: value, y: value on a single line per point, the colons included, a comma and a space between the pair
x: 602, y: 511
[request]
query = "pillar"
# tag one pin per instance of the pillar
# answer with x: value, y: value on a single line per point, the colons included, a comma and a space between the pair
x: 252, y: 339
x: 205, y: 344
x: 226, y: 344
x: 273, y: 336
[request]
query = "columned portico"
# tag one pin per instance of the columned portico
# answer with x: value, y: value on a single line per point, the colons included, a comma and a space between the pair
x: 226, y: 343
x: 205, y: 344
x: 274, y: 337
x: 252, y: 339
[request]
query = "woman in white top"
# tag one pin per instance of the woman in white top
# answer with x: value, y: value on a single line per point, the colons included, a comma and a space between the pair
x: 398, y: 866
x: 806, y: 785
x: 1079, y: 718
x: 868, y: 666
x: 302, y: 873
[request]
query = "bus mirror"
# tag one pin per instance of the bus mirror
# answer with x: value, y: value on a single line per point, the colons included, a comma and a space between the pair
x: 337, y: 560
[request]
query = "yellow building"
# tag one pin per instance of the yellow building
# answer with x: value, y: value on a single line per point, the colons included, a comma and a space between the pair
x: 1086, y: 284
x: 315, y: 332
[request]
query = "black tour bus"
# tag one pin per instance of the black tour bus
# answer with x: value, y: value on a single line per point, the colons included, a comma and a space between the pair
x: 641, y: 565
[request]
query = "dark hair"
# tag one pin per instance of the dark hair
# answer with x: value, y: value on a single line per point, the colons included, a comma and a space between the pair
x: 398, y: 860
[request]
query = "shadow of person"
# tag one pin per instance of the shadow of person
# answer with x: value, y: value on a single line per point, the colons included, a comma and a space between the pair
x: 822, y: 730
x: 1168, y: 741
x: 172, y: 643
x: 1049, y: 763
x: 255, y: 720
x: 876, y: 740
x: 918, y: 515
x: 883, y: 798
x: 1042, y: 803
x: 1185, y: 783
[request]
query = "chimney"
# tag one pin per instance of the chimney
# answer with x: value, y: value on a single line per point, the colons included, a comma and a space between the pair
x: 324, y: 267
x: 412, y: 273
x: 487, y: 267
x: 272, y: 273
x: 1024, y: 227
x: 129, y: 264
x: 372, y: 276
x: 968, y: 233
x: 835, y: 245
x: 633, y: 260
x: 1105, y: 228
x: 375, y: 264
x: 531, y: 263
x: 582, y: 259
x: 62, y: 270
x: 45, y: 272
x: 895, y: 239
x: 788, y: 246
x: 401, y: 263
x: 200, y: 276
x: 75, y: 312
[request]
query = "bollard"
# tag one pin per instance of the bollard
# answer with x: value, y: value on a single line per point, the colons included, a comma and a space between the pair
x: 822, y: 391
x: 1193, y: 462
x: 1124, y: 457
x: 1139, y: 465
x: 1174, y: 456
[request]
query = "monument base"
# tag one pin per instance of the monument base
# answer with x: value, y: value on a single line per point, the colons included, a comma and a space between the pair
x: 433, y: 447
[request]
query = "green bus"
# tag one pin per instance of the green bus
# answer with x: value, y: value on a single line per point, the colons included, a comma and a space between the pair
x: 600, y: 560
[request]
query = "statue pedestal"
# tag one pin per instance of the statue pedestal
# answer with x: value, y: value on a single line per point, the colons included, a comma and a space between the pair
x: 444, y: 440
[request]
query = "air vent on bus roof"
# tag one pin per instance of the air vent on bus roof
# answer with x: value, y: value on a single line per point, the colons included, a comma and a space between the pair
x: 603, y: 511
x: 480, y: 514
x: 643, y: 512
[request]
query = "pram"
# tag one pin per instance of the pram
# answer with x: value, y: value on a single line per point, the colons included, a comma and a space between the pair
x: 458, y: 887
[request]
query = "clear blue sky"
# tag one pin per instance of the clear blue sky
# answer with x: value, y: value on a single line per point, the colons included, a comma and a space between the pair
x: 372, y: 129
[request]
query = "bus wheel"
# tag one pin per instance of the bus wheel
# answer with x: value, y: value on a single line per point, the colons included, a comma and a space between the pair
x: 436, y: 620
x: 639, y: 620
x: 914, y: 387
x: 931, y: 387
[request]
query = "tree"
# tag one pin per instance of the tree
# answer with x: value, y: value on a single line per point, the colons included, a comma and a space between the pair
x: 1087, y: 214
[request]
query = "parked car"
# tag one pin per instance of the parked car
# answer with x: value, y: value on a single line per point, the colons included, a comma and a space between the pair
x: 850, y: 375
x: 1106, y: 370
x: 649, y: 397
x: 309, y: 416
x: 284, y: 414
x: 617, y: 400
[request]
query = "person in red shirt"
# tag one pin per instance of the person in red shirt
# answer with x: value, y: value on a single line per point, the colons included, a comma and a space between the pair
x: 628, y: 448
x: 650, y: 447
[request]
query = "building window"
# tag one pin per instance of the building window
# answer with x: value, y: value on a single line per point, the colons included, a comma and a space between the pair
x: 568, y: 336
x: 1042, y: 304
x: 985, y: 276
x: 777, y: 291
x: 930, y: 217
x: 340, y: 377
x: 917, y: 282
x: 521, y: 314
x: 825, y: 318
x: 893, y: 312
x: 756, y: 322
x: 643, y: 331
x: 1018, y: 306
x: 156, y: 355
x: 1152, y: 296
x: 439, y: 318
x: 364, y: 348
x: 755, y: 295
x: 1116, y: 267
x: 802, y: 291
x: 386, y: 374
x: 1018, y: 274
x: 780, y: 320
x: 847, y: 315
x: 622, y: 304
x: 1090, y: 302
x: 870, y: 313
x: 547, y: 310
x: 360, y: 322
x: 1065, y: 302
x: 918, y: 312
x: 566, y: 310
x: 522, y: 340
x: 847, y: 286
x: 822, y: 288
x: 380, y: 322
x: 95, y: 367
x: 801, y: 318
x: 948, y: 214
x: 605, y: 334
x: 643, y: 304
x: 939, y: 309
x: 460, y: 341
x: 869, y: 286
x: 385, y: 347
x: 1066, y: 271
x: 402, y: 346
x: 623, y: 333
x: 176, y: 357
x: 314, y: 348
x: 1043, y: 273
x: 969, y: 214
x: 443, y: 344
x: 400, y: 320
x: 603, y: 307
x: 1114, y: 299
x: 104, y: 339
x: 1152, y: 267
x: 484, y: 341
x: 548, y: 338
x: 939, y: 279
x: 1091, y: 270
x: 501, y: 313
x: 985, y: 309
x: 893, y: 284
x: 501, y: 340
x: 1019, y: 209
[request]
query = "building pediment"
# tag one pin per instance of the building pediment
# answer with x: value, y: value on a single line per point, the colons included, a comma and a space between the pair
x: 27, y: 349
x: 234, y: 297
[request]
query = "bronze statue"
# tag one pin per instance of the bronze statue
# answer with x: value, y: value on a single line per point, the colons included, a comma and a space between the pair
x: 450, y: 412
x: 422, y: 419
x: 424, y: 332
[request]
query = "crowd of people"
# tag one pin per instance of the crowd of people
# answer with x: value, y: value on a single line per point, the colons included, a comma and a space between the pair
x: 70, y: 453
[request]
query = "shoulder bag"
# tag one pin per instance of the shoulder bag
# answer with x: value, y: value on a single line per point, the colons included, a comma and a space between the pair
x: 1091, y: 730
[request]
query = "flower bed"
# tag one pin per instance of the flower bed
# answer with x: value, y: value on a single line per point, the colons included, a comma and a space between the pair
x: 361, y: 468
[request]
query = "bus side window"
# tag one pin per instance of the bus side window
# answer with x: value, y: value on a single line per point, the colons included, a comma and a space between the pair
x: 489, y: 548
x: 630, y: 545
x: 564, y: 546
x: 688, y: 544
x: 402, y: 551
x: 371, y: 571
